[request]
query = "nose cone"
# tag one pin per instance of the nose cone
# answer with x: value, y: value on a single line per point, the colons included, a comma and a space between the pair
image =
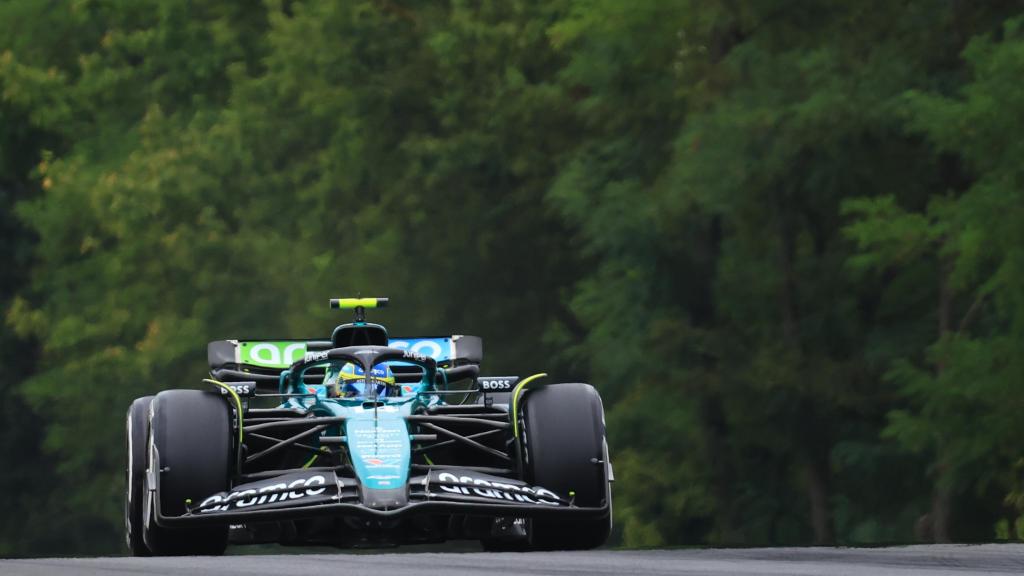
x: 378, y: 442
x: 384, y: 499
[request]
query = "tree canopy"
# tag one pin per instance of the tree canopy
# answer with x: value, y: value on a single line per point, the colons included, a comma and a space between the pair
x: 784, y: 238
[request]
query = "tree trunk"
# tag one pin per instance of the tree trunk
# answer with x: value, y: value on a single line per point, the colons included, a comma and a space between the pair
x: 818, y: 495
x: 942, y: 510
x: 942, y: 495
x: 815, y: 446
x: 715, y: 430
x: 788, y: 297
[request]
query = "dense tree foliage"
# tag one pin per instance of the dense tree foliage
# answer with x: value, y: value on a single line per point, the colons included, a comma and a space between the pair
x: 785, y: 238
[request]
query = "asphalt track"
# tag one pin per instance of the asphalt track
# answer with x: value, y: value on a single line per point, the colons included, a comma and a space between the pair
x: 990, y: 559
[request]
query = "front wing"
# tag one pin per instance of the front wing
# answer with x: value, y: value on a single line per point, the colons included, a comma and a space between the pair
x: 316, y: 493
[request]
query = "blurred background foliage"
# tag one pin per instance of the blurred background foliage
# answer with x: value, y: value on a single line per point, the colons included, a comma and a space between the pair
x: 784, y: 238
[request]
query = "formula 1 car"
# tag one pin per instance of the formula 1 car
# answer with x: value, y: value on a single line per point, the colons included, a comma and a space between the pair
x: 368, y: 441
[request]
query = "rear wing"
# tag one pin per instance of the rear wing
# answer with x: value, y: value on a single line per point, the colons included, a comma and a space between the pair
x: 264, y: 360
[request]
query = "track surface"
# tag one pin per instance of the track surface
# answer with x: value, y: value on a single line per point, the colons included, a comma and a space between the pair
x: 989, y: 559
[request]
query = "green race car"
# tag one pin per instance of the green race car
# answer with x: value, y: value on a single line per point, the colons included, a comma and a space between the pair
x: 369, y: 440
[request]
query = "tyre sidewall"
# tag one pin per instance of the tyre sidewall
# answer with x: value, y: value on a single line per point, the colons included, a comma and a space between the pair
x: 136, y: 437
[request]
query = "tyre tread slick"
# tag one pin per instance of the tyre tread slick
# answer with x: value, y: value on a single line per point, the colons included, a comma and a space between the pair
x: 191, y: 431
x: 565, y: 452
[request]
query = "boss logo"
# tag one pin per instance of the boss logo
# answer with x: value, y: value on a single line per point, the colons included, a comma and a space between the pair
x: 240, y: 389
x: 497, y: 384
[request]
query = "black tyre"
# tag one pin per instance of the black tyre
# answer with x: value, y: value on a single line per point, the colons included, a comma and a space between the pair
x: 136, y: 435
x: 564, y: 450
x: 191, y: 433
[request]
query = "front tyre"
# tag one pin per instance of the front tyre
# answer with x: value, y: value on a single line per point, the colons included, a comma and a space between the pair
x: 564, y: 450
x: 190, y: 435
x: 136, y: 435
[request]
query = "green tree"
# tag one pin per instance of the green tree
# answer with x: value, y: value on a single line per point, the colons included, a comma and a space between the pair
x: 963, y: 402
x: 782, y: 237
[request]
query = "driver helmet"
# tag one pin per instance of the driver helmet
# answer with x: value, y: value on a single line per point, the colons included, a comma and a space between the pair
x: 352, y: 383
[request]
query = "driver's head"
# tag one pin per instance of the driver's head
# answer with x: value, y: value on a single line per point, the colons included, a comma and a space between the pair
x: 352, y: 382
